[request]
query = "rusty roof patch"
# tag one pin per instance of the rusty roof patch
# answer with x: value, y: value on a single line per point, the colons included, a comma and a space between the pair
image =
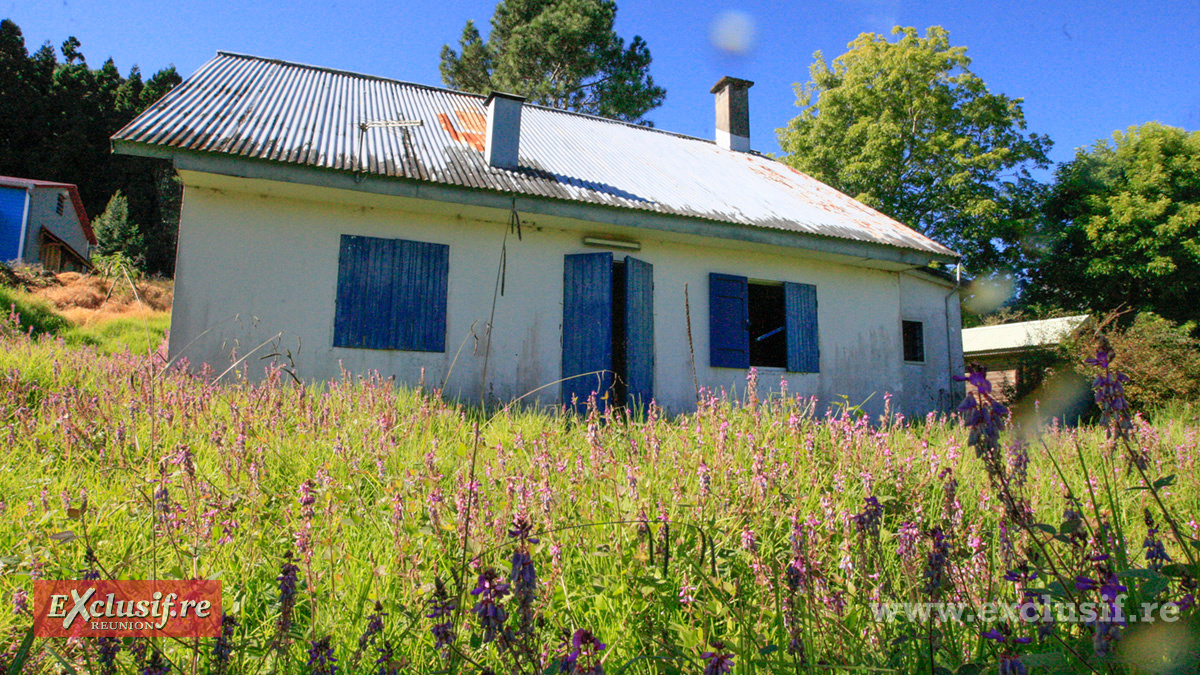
x: 267, y: 109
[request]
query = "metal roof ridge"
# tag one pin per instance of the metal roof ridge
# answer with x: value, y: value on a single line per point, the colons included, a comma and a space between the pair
x: 392, y: 80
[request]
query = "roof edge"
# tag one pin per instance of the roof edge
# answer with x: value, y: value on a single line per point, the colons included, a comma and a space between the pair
x: 254, y: 168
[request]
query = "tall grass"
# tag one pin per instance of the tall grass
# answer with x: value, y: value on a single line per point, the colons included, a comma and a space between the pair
x: 757, y: 533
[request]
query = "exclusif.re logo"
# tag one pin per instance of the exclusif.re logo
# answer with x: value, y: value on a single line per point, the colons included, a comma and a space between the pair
x: 127, y: 608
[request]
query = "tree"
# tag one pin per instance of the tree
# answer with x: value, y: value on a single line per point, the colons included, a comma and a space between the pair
x: 57, y: 120
x: 908, y: 129
x: 116, y: 233
x: 1126, y: 218
x: 559, y: 53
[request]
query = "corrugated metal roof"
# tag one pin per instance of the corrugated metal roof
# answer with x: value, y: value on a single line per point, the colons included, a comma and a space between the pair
x: 1013, y: 336
x: 273, y: 110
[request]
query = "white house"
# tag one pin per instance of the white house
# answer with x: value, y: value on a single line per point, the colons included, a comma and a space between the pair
x: 366, y: 224
x: 43, y: 222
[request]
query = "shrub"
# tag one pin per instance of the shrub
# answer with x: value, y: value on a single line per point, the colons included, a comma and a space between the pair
x: 1161, y: 358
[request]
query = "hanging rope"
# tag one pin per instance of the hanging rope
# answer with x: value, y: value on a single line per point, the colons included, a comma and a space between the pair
x: 514, y: 225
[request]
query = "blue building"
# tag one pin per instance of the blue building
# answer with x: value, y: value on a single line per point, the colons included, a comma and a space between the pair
x: 44, y: 223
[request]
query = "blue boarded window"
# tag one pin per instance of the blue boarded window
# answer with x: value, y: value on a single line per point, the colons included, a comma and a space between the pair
x: 391, y: 294
x: 762, y: 324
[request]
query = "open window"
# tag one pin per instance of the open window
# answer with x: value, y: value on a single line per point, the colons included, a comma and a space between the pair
x: 768, y: 325
x: 762, y: 324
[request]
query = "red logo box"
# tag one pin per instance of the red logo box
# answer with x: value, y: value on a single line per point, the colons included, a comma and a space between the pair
x: 179, y: 609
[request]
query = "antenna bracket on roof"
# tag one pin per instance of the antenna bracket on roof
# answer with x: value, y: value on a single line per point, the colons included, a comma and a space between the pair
x: 390, y: 124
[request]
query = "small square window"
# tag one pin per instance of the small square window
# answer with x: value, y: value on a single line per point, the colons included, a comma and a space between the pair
x: 914, y: 341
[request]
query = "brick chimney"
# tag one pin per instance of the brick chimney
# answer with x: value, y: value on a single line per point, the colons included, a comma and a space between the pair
x: 733, y: 113
x: 503, y: 138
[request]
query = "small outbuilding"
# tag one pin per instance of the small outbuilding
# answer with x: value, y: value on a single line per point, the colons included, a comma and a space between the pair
x: 43, y: 222
x: 486, y: 247
x: 1009, y: 350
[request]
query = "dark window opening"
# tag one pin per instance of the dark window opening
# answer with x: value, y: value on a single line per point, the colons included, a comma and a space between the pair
x: 61, y: 202
x: 768, y: 326
x: 914, y: 341
x: 620, y: 387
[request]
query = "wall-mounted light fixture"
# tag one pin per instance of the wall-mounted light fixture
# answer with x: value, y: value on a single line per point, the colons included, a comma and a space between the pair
x: 600, y: 242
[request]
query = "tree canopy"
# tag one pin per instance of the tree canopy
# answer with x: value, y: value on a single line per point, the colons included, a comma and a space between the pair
x: 57, y: 120
x: 908, y: 129
x: 559, y: 53
x: 1126, y: 218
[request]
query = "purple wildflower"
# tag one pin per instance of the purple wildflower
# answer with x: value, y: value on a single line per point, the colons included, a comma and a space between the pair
x: 1109, y: 387
x: 388, y: 665
x: 524, y: 584
x: 20, y: 600
x: 374, y: 627
x: 868, y: 521
x: 158, y: 665
x: 441, y: 607
x: 522, y: 530
x: 1156, y: 553
x: 982, y: 413
x: 223, y: 648
x: 718, y: 661
x: 1010, y: 664
x: 936, y: 575
x: 90, y: 573
x: 287, y: 593
x: 108, y: 648
x: 584, y: 658
x: 490, y: 589
x: 321, y: 659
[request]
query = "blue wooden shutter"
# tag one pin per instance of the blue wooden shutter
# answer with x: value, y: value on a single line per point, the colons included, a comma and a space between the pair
x: 12, y: 222
x: 391, y: 294
x: 639, y: 332
x: 728, y: 321
x: 587, y: 328
x: 803, y: 353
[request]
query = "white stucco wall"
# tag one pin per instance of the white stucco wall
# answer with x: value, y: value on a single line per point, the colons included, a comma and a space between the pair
x: 43, y: 212
x: 257, y: 263
x: 927, y: 386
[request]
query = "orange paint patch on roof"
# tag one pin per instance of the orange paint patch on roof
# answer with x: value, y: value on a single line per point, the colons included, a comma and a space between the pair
x: 474, y: 137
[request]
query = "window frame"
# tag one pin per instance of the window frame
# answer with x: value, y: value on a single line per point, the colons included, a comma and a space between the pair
x: 904, y: 324
x: 729, y: 304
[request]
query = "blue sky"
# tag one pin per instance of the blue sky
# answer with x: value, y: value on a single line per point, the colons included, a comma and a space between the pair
x: 1084, y: 69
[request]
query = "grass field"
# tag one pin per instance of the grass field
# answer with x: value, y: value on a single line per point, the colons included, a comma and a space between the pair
x: 756, y: 534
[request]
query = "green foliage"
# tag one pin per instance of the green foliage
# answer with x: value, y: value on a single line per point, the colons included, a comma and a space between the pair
x: 116, y: 266
x: 31, y: 314
x: 907, y: 128
x: 742, y: 523
x: 132, y: 334
x: 116, y: 233
x: 27, y: 314
x: 1127, y: 215
x: 1161, y: 358
x: 560, y: 53
x: 56, y: 123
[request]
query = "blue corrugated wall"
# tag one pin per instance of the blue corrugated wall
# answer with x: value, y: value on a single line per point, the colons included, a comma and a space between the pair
x: 12, y: 219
